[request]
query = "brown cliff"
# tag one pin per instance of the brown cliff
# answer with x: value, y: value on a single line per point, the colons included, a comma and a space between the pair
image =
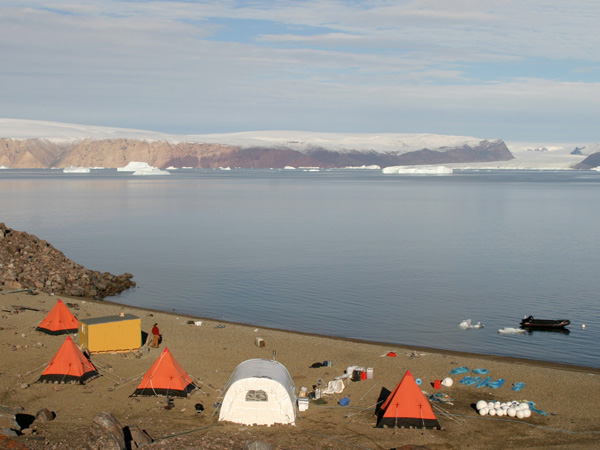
x: 111, y: 153
x: 27, y: 262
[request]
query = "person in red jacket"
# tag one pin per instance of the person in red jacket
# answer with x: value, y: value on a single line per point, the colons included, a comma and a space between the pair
x: 155, y: 335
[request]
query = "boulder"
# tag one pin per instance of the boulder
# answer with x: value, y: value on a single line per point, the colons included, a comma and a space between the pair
x: 136, y: 436
x: 44, y: 415
x: 9, y: 422
x: 106, y: 433
x: 258, y: 445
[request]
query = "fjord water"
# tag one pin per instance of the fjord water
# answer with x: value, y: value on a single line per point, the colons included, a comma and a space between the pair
x: 353, y: 253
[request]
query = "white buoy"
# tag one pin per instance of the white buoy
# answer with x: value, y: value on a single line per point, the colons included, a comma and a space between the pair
x: 492, y: 412
x: 447, y: 382
x: 511, y: 412
x: 524, y: 405
x: 527, y: 413
x: 583, y: 326
x: 500, y: 412
x: 481, y: 404
x: 483, y: 411
x: 520, y: 414
x: 491, y: 405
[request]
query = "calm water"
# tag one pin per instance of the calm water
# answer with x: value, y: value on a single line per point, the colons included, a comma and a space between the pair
x: 399, y: 259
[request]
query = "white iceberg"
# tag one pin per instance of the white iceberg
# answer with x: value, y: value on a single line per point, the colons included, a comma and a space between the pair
x: 371, y: 167
x: 509, y: 330
x: 152, y: 171
x: 134, y: 166
x: 142, y: 168
x: 466, y: 324
x: 418, y: 170
x: 72, y: 169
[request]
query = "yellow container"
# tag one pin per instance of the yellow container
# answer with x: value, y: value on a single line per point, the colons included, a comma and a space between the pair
x: 111, y: 333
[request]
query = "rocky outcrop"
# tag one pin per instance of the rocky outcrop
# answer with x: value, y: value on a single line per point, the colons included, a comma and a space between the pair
x: 589, y: 163
x: 29, y: 262
x: 29, y: 153
x: 111, y: 153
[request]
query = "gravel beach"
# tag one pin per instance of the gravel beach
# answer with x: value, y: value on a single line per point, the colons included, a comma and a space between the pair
x: 210, y: 351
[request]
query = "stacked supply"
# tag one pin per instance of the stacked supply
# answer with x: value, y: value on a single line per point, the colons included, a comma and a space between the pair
x: 520, y: 410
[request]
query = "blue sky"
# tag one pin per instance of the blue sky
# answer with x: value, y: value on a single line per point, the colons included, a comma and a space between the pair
x: 515, y: 70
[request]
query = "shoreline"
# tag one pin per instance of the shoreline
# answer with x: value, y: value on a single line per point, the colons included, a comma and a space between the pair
x: 544, y: 363
x: 211, y: 351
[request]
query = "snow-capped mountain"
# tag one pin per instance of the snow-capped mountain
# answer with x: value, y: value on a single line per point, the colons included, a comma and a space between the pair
x: 32, y: 143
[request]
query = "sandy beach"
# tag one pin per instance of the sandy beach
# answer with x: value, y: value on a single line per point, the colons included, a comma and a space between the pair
x: 210, y: 352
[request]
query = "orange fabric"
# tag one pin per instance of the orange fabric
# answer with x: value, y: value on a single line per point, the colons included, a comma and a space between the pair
x: 59, y: 319
x: 8, y: 444
x: 165, y: 373
x: 407, y: 400
x: 69, y: 361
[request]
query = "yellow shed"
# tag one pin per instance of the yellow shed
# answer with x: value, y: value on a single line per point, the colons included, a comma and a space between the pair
x: 111, y: 333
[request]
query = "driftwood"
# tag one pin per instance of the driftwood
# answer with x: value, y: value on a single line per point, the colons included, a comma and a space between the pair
x: 28, y: 290
x: 23, y: 308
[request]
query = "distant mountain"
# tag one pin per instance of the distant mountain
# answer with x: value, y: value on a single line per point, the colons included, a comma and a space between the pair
x: 38, y: 144
x: 587, y: 150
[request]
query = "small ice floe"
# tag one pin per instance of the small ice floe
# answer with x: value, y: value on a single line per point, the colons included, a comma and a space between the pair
x: 509, y: 330
x: 466, y: 325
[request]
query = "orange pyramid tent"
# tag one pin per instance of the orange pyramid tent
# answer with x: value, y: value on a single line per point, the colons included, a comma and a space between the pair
x: 165, y: 377
x: 407, y: 407
x: 59, y: 321
x: 69, y: 365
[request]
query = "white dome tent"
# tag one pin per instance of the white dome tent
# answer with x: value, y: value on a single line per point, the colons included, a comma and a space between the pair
x: 259, y: 392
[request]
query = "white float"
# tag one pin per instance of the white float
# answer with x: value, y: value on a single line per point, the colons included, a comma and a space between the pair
x: 520, y: 410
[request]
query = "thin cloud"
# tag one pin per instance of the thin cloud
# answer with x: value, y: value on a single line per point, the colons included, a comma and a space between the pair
x: 207, y: 66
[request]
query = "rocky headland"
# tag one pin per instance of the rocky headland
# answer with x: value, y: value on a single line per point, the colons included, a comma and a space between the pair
x: 27, y: 262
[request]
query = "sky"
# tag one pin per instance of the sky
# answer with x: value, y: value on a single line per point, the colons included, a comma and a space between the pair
x: 522, y: 70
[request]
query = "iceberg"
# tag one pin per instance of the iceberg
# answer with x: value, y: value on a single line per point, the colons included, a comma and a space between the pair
x: 72, y: 169
x: 371, y: 167
x: 133, y: 166
x: 417, y: 170
x: 152, y: 171
x: 466, y: 324
x: 142, y: 168
x: 509, y: 330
